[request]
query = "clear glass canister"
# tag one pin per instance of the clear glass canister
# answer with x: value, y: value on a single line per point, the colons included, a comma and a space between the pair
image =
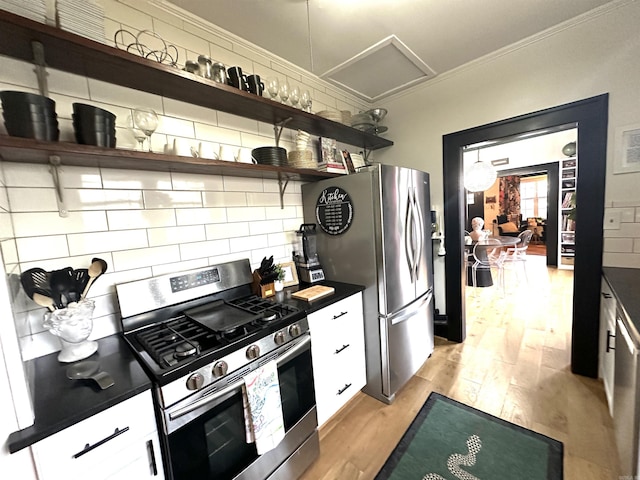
x: 205, y: 63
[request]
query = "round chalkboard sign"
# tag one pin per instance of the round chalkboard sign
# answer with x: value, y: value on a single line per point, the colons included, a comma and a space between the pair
x: 334, y: 211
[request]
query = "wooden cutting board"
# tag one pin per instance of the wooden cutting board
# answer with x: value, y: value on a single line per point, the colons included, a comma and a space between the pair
x: 313, y: 293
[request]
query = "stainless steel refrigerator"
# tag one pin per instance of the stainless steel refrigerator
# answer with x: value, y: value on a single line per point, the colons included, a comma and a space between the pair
x: 374, y: 230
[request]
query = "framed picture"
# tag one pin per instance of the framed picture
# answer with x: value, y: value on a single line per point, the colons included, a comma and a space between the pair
x: 627, y: 145
x: 490, y: 199
x: 290, y: 274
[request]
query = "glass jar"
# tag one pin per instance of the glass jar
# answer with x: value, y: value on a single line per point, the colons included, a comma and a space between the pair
x: 205, y: 64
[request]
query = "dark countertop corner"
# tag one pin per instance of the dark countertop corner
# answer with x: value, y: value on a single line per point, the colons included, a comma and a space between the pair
x: 60, y: 403
x: 342, y: 291
x: 625, y: 283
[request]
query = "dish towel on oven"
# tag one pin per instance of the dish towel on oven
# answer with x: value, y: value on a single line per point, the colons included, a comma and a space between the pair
x: 263, y: 407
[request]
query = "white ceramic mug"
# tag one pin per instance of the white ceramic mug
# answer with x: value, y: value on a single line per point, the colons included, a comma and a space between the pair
x: 245, y: 156
x: 228, y: 153
x: 208, y: 150
x: 182, y: 147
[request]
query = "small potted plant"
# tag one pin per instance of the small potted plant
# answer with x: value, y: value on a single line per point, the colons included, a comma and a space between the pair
x: 278, y: 284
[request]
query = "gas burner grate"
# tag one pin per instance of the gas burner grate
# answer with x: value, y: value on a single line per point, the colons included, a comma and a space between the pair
x: 270, y: 310
x: 173, y: 341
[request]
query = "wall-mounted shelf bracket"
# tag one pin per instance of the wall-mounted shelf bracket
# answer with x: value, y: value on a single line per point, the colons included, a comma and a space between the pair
x: 282, y: 186
x: 41, y: 67
x: 54, y: 160
x: 277, y: 128
x: 365, y: 155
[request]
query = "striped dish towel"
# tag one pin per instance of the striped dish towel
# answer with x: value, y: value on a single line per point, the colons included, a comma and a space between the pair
x: 262, y: 403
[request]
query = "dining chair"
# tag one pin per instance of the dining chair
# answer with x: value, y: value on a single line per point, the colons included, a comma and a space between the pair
x: 518, y: 254
x: 488, y: 254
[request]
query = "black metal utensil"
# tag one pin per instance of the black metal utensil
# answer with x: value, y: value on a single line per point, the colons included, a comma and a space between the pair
x: 80, y: 280
x: 62, y: 284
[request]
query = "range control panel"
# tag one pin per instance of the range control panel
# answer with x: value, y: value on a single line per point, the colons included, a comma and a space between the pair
x: 193, y: 280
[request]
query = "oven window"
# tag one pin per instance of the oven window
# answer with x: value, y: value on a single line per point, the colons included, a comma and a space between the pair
x: 213, y: 446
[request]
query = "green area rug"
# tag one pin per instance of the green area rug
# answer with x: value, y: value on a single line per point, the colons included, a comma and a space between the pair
x: 449, y: 440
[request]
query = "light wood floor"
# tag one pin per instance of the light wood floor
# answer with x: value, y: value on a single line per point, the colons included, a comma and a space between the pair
x: 513, y: 364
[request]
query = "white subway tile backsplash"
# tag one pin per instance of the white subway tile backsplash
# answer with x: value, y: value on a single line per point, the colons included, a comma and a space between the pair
x: 105, y: 325
x: 39, y: 344
x: 277, y: 239
x: 268, y: 226
x: 292, y: 224
x: 116, y: 95
x: 626, y: 230
x: 217, y: 134
x: 245, y: 214
x: 6, y: 226
x: 273, y: 212
x: 190, y: 181
x: 227, y: 230
x: 636, y: 245
x: 190, y: 251
x: 175, y: 235
x: 242, y: 184
x: 261, y: 251
x: 9, y: 251
x: 179, y: 266
x: 249, y: 243
x: 618, y: 245
x: 195, y: 113
x: 234, y: 122
x: 145, y: 257
x: 51, y: 223
x: 27, y: 175
x: 106, y: 283
x: 37, y: 248
x: 94, y: 199
x: 119, y: 12
x: 263, y: 199
x: 178, y: 36
x: 67, y: 84
x: 175, y: 126
x: 135, y: 179
x: 86, y: 243
x: 171, y: 199
x: 622, y: 260
x: 32, y: 199
x: 81, y: 177
x: 18, y: 73
x: 200, y: 216
x: 224, y: 199
x: 626, y: 203
x: 131, y: 219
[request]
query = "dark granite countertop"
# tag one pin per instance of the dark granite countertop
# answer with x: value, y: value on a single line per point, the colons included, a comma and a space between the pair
x: 343, y: 290
x: 625, y: 283
x: 60, y: 403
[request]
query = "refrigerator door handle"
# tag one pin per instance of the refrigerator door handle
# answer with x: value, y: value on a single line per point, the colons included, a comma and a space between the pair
x: 408, y: 237
x: 407, y: 313
x: 419, y: 228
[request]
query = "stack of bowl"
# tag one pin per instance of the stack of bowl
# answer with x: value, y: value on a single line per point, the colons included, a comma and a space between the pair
x: 94, y: 126
x: 276, y: 156
x: 29, y: 115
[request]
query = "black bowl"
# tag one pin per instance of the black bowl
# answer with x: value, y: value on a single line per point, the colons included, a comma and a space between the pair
x: 83, y: 110
x: 98, y: 138
x: 39, y: 131
x: 12, y: 98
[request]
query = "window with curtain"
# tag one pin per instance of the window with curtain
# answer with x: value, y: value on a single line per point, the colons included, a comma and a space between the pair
x: 533, y: 196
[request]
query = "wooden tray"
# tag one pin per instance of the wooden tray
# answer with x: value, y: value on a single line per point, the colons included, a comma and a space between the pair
x: 313, y: 293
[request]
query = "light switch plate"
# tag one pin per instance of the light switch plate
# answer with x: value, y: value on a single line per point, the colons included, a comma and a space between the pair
x: 612, y: 220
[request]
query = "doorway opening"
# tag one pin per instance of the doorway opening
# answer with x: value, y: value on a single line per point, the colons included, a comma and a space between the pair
x: 590, y: 117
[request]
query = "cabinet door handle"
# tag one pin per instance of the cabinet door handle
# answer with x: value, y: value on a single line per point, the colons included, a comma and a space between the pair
x: 339, y: 315
x: 88, y: 447
x: 609, y: 347
x: 153, y: 468
x: 341, y: 349
x: 606, y: 295
x: 342, y: 390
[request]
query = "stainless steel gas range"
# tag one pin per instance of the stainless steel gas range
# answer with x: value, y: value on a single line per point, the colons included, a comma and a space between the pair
x: 198, y: 334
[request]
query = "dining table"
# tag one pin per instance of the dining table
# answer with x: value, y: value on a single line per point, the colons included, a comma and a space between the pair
x: 483, y: 273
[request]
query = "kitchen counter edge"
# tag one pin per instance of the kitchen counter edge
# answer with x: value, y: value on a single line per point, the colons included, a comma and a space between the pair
x: 624, y: 284
x: 59, y: 403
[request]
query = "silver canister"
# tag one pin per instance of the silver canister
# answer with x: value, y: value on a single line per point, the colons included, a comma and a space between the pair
x: 191, y: 67
x: 205, y: 63
x: 219, y: 73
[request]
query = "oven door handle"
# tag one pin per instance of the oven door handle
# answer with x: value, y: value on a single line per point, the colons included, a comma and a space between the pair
x: 229, y: 388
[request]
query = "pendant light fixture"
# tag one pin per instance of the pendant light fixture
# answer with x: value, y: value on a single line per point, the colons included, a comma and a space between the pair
x: 479, y: 176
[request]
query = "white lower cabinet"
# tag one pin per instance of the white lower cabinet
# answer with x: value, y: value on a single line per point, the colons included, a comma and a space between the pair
x: 337, y: 349
x: 118, y: 443
x: 607, y: 340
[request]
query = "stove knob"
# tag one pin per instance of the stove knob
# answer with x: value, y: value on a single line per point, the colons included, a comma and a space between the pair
x: 195, y: 381
x: 253, y: 352
x: 279, y: 338
x: 219, y: 369
x: 294, y: 330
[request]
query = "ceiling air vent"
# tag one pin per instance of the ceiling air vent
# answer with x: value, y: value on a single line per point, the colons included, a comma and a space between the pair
x: 363, y: 76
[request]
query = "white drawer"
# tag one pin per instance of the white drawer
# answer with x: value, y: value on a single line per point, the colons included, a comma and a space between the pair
x: 77, y: 450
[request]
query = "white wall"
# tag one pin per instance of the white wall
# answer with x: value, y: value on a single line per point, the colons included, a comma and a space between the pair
x: 580, y: 60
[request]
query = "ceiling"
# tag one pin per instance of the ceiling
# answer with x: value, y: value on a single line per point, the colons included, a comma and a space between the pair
x: 375, y: 48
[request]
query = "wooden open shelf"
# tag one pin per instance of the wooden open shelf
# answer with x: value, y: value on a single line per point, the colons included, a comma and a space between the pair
x: 14, y: 149
x: 75, y: 54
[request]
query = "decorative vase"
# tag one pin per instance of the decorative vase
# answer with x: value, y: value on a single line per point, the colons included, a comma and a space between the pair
x: 278, y: 285
x: 73, y: 326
